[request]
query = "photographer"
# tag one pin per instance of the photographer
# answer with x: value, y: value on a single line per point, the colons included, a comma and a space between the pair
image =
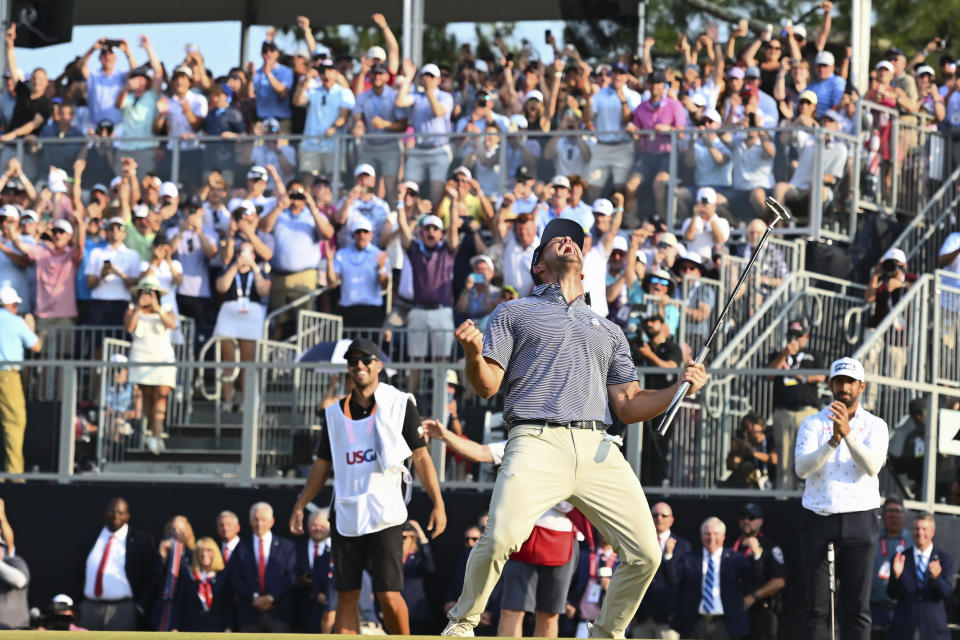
x: 888, y: 284
x: 479, y: 296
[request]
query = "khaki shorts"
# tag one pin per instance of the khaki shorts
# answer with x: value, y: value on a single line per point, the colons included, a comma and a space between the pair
x: 284, y: 289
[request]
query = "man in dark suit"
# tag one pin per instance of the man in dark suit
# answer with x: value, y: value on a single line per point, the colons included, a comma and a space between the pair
x: 118, y: 582
x: 314, y: 586
x: 262, y: 574
x: 709, y: 585
x: 658, y: 605
x: 922, y: 583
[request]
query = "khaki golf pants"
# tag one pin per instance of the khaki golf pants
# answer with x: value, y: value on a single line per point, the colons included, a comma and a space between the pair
x: 546, y: 465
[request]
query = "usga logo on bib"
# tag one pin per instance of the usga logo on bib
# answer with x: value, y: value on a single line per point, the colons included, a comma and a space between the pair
x: 359, y: 457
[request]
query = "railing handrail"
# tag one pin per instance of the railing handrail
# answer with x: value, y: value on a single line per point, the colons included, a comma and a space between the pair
x: 302, y: 300
x: 916, y: 290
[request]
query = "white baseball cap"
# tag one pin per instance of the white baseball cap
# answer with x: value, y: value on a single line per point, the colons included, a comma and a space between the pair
x: 895, y: 254
x: 185, y: 70
x: 463, y: 171
x: 64, y: 226
x: 9, y: 295
x: 642, y: 256
x: 432, y: 221
x: 699, y: 100
x: 535, y: 94
x: 9, y: 211
x: 360, y: 223
x: 246, y: 207
x: 560, y: 181
x: 431, y: 70
x: 824, y: 57
x: 713, y: 114
x: 883, y: 64
x: 603, y: 207
x: 169, y: 189
x: 377, y: 53
x: 847, y: 367
x: 29, y: 215
x: 708, y: 194
x: 619, y: 244
x: 800, y: 30
x: 410, y: 185
x: 115, y: 182
x: 926, y: 69
x: 481, y: 66
x: 364, y: 169
x: 114, y: 220
x: 141, y: 211
x: 257, y: 172
x: 482, y: 258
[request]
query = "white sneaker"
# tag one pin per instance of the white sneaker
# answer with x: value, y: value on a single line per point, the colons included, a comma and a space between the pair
x: 154, y: 445
x: 459, y: 629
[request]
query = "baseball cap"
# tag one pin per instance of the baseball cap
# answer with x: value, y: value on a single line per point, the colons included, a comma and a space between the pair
x: 656, y: 77
x: 751, y: 509
x: 713, y: 115
x: 257, y: 172
x: 410, y: 185
x: 482, y: 258
x: 825, y: 57
x: 809, y: 96
x: 99, y: 187
x: 268, y: 45
x: 141, y: 211
x: 535, y: 94
x: 510, y: 288
x: 641, y: 254
x: 800, y: 30
x: 360, y: 223
x: 364, y: 169
x: 114, y: 221
x: 64, y: 226
x: 926, y: 69
x: 9, y: 295
x: 603, y: 207
x: 434, y: 221
x: 61, y: 603
x: 833, y: 115
x: 560, y: 181
x: 694, y: 258
x: 377, y: 53
x: 430, y: 70
x: 557, y: 228
x: 193, y: 203
x: 708, y: 194
x: 797, y: 327
x: 895, y: 254
x: 9, y: 211
x: 169, y: 189
x: 668, y: 238
x: 463, y: 171
x: 115, y: 182
x: 620, y: 67
x: 884, y: 64
x: 364, y: 346
x: 272, y: 125
x: 522, y: 174
x: 699, y: 100
x: 751, y: 72
x: 246, y: 208
x: 185, y: 70
x: 736, y: 72
x: 619, y: 244
x: 481, y: 66
x: 29, y: 215
x: 847, y: 367
x: 893, y: 51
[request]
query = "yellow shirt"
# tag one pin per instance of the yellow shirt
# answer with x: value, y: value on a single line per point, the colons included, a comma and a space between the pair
x: 474, y: 210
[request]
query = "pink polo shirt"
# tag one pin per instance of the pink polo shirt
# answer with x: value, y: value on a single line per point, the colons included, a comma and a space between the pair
x: 56, y: 281
x: 647, y: 116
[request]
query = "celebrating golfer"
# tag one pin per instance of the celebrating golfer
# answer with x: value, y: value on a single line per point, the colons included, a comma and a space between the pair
x: 839, y: 453
x: 560, y: 365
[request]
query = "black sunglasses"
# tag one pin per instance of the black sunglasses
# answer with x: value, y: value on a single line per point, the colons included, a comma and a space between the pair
x: 353, y: 361
x: 57, y: 232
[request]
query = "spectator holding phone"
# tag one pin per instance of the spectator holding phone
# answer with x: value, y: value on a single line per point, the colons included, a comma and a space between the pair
x: 479, y: 295
x: 104, y: 84
x: 137, y: 102
x: 360, y: 270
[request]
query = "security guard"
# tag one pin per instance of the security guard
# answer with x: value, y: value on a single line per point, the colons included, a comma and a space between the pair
x: 762, y: 598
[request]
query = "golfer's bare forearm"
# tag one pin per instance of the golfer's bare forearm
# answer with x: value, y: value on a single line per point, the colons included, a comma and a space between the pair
x: 484, y: 377
x: 640, y: 405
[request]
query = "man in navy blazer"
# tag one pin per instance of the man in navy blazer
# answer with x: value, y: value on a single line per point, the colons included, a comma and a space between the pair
x: 314, y: 587
x: 922, y: 583
x: 262, y: 574
x: 658, y: 604
x: 710, y: 597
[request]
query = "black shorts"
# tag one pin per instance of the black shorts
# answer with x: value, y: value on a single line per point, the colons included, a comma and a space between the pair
x: 379, y: 553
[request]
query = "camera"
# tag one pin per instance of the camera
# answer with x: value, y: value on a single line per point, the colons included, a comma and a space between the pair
x: 889, y: 268
x: 112, y: 44
x: 298, y: 195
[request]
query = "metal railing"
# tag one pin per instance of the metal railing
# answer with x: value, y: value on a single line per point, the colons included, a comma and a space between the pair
x: 922, y: 238
x: 946, y: 329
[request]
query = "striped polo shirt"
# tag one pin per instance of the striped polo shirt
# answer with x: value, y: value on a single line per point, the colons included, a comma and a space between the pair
x: 558, y: 358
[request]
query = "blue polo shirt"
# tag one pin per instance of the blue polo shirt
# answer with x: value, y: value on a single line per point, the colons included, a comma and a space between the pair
x: 323, y: 110
x: 360, y: 275
x: 423, y: 120
x: 15, y: 336
x: 371, y: 105
x: 297, y: 242
x: 269, y: 104
x: 828, y: 92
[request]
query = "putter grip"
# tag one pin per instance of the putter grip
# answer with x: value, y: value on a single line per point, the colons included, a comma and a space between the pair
x: 678, y: 397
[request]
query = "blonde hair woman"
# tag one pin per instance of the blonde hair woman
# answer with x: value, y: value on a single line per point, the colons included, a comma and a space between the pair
x: 201, y: 602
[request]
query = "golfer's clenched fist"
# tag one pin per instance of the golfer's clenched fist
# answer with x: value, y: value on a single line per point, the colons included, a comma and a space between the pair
x: 470, y: 338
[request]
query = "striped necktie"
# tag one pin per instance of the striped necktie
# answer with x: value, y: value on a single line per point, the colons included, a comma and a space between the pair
x: 921, y: 567
x: 708, y: 581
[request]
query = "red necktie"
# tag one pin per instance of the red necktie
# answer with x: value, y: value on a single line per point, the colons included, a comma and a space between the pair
x: 98, y: 583
x: 226, y: 553
x: 261, y: 568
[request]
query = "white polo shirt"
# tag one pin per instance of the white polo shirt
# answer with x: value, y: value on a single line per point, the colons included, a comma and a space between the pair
x: 126, y: 260
x: 840, y: 485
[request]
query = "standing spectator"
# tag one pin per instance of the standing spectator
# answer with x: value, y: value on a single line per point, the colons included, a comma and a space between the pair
x: 203, y: 598
x: 376, y: 112
x: 168, y: 272
x: 180, y: 116
x: 13, y: 262
x: 839, y: 453
x: 710, y: 603
x: 16, y: 334
x: 753, y: 154
x: 660, y: 603
x: 110, y: 271
x: 105, y: 83
x: 418, y: 566
x: 762, y: 591
x: 297, y: 227
x: 794, y: 397
x: 464, y: 194
x: 272, y: 84
x: 272, y: 151
x: 150, y: 324
x: 611, y: 108
x: 225, y: 121
x: 709, y: 155
x: 14, y: 580
x: 328, y: 109
x: 828, y: 87
x: 771, y: 265
x: 262, y: 576
x: 430, y: 112
x: 922, y: 584
x: 137, y: 102
x: 61, y: 154
x: 705, y: 230
x: 118, y: 581
x: 763, y: 449
x: 570, y: 153
x: 479, y: 295
x: 314, y: 594
x: 700, y: 299
x: 656, y: 348
x: 33, y: 107
x: 360, y: 270
x: 194, y: 245
x: 894, y: 538
x: 228, y: 530
x: 174, y: 554
x: 362, y: 203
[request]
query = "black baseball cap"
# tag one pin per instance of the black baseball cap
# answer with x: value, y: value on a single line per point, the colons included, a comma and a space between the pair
x: 656, y: 77
x: 522, y: 174
x: 797, y: 327
x: 752, y: 509
x: 364, y: 346
x: 557, y: 228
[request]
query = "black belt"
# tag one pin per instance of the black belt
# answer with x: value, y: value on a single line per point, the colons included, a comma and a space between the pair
x: 429, y: 305
x: 593, y: 425
x: 711, y: 617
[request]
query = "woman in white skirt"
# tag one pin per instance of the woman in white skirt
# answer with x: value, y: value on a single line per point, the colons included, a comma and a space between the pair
x: 150, y: 324
x: 169, y: 274
x: 245, y: 294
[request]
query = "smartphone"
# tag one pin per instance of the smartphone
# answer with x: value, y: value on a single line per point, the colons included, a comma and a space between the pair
x: 112, y: 43
x: 478, y: 278
x: 546, y: 36
x: 106, y: 263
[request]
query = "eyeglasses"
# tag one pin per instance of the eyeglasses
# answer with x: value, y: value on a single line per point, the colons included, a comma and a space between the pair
x: 657, y: 514
x: 57, y: 232
x: 660, y: 281
x: 353, y: 361
x: 470, y: 538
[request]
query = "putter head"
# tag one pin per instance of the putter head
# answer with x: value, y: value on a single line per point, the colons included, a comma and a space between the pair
x: 778, y: 209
